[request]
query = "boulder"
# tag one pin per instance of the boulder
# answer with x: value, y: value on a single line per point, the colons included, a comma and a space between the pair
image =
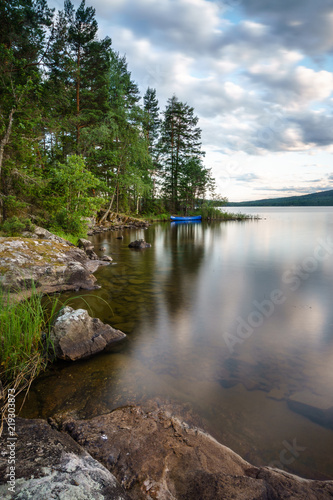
x: 48, y: 264
x: 154, y: 454
x: 88, y: 248
x: 106, y: 258
x: 91, y: 254
x: 139, y: 244
x: 85, y: 244
x: 43, y: 234
x: 50, y: 464
x: 76, y: 335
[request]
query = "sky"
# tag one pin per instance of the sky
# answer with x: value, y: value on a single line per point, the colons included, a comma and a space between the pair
x: 258, y: 73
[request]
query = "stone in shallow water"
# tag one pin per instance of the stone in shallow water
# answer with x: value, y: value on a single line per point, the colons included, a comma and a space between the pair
x: 107, y: 258
x: 76, y: 335
x: 317, y: 408
x: 139, y: 244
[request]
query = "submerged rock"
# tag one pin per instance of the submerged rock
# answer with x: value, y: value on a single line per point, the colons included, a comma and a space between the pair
x: 317, y: 408
x: 76, y: 335
x: 50, y: 464
x: 153, y: 454
x: 139, y: 244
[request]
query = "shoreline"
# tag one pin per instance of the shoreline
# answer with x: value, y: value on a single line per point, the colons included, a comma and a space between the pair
x: 256, y: 469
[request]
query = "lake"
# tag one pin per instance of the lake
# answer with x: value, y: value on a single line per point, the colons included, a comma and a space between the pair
x: 232, y: 319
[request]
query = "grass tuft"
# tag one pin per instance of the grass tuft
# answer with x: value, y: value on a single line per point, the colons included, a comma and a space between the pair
x: 25, y: 342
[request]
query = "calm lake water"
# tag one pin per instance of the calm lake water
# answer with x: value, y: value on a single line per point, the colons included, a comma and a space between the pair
x: 231, y: 318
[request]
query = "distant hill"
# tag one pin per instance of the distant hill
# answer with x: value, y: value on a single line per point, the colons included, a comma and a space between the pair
x: 320, y: 199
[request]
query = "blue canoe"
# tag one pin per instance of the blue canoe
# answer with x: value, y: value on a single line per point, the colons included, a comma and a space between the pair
x: 188, y: 218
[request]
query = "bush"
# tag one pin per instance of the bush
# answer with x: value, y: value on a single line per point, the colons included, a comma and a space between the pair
x: 208, y: 211
x: 15, y: 226
x: 69, y: 222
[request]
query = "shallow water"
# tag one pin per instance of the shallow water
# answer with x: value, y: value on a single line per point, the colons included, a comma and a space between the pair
x: 231, y: 318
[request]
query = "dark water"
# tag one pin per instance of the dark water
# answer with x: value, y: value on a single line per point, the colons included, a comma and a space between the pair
x: 231, y: 318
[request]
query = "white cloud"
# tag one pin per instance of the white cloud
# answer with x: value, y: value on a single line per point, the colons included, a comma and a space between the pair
x: 260, y: 80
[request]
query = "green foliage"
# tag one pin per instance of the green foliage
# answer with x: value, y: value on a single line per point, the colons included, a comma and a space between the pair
x: 24, y: 336
x: 67, y: 236
x: 210, y: 212
x: 68, y: 96
x: 180, y: 153
x: 70, y: 195
x: 15, y: 226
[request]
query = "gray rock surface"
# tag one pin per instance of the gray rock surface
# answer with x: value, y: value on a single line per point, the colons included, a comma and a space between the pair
x: 43, y: 234
x: 139, y: 244
x: 106, y: 258
x: 88, y: 248
x: 76, y: 335
x: 85, y: 244
x: 50, y: 264
x: 153, y: 454
x: 51, y: 465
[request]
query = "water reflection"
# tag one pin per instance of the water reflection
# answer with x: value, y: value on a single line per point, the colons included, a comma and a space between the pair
x: 178, y: 300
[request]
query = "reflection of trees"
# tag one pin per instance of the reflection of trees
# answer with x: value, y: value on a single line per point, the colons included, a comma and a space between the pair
x: 186, y: 245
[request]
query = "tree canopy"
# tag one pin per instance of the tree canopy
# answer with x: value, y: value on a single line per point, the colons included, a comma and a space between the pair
x: 75, y: 134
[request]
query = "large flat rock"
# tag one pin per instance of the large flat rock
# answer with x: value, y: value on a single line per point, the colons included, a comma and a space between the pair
x: 155, y: 455
x: 50, y: 264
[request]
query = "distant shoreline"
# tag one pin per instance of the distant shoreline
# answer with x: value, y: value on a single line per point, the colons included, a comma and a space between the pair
x: 319, y: 199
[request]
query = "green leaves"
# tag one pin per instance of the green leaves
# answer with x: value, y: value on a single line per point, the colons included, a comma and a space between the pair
x: 73, y: 135
x: 73, y: 193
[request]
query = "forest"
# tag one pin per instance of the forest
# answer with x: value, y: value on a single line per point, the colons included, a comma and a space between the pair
x: 76, y: 136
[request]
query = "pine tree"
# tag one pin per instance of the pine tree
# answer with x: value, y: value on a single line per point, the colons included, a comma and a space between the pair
x: 151, y: 127
x: 180, y: 141
x: 24, y: 29
x: 122, y: 159
x: 78, y: 78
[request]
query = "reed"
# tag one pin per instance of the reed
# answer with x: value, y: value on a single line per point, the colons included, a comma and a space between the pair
x: 25, y: 342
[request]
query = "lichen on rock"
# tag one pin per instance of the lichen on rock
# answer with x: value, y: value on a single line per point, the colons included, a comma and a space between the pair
x: 76, y: 335
x: 50, y: 465
x: 47, y: 264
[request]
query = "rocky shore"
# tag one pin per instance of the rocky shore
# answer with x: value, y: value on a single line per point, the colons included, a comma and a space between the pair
x: 53, y: 264
x: 115, y: 222
x: 139, y: 453
x: 45, y: 261
x: 134, y: 452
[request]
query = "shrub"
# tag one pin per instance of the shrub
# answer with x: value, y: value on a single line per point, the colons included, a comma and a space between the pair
x: 15, y: 226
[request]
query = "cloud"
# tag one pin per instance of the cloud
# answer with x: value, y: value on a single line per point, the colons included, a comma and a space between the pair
x: 257, y: 72
x: 300, y: 24
x: 248, y: 177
